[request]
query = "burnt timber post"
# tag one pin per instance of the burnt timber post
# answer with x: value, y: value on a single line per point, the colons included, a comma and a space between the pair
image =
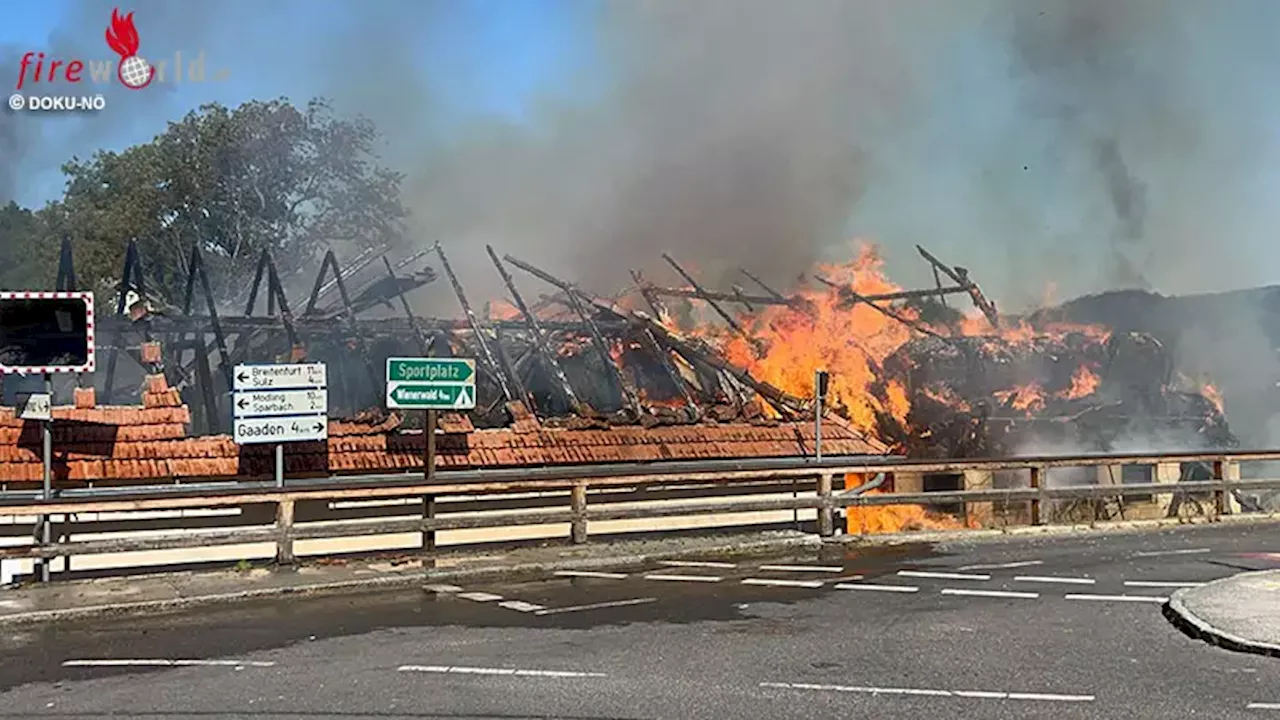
x: 597, y: 339
x: 504, y: 373
x: 539, y: 340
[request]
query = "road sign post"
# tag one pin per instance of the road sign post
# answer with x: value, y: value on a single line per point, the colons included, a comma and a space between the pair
x: 46, y: 441
x: 431, y: 385
x: 280, y: 404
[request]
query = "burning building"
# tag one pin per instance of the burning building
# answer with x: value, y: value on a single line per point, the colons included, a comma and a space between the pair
x: 654, y: 373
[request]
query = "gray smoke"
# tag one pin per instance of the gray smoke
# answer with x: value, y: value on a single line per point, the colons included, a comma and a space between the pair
x: 1090, y: 144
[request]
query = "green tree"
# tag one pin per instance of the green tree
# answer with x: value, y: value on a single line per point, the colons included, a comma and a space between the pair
x: 28, y: 256
x: 265, y: 175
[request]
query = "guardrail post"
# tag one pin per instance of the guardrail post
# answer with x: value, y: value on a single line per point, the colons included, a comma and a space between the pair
x: 1224, y: 471
x: 1037, y: 504
x: 827, y: 510
x: 284, y: 526
x: 428, y: 532
x: 578, y: 505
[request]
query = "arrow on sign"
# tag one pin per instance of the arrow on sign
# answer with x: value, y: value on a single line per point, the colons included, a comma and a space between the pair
x: 243, y: 403
x: 242, y: 376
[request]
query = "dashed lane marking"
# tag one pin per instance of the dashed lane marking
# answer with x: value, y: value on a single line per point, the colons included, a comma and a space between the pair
x: 1159, y: 553
x: 1262, y: 706
x: 1159, y: 584
x: 442, y: 589
x: 520, y: 606
x: 698, y: 564
x: 846, y: 578
x: 783, y: 583
x: 479, y: 596
x: 1119, y: 598
x: 978, y: 694
x: 802, y: 568
x: 1052, y: 579
x: 1003, y: 566
x: 991, y: 593
x: 457, y: 670
x: 591, y: 574
x: 878, y: 588
x: 941, y: 575
x: 596, y: 606
x: 165, y: 663
x: 685, y: 578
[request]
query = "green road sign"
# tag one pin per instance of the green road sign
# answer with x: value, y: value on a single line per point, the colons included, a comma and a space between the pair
x: 431, y: 397
x: 431, y: 383
x: 432, y: 370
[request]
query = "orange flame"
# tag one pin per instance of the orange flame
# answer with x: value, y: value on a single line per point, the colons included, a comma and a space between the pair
x: 1213, y: 395
x: 899, y: 518
x: 1023, y: 397
x: 1083, y: 382
x: 821, y: 331
x: 502, y: 310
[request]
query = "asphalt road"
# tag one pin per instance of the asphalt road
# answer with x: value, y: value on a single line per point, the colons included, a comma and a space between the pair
x: 1052, y: 627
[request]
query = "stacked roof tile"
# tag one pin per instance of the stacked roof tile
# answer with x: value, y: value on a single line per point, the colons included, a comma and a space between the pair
x: 120, y: 445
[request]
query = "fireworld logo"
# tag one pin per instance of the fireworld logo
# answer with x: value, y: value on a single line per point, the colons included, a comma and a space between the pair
x: 132, y: 70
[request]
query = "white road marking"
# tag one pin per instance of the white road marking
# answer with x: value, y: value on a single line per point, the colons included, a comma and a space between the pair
x: 685, y: 578
x: 479, y: 596
x: 991, y: 593
x: 880, y: 588
x: 591, y: 574
x: 1119, y: 598
x: 520, y: 606
x: 847, y: 578
x: 166, y: 663
x: 1052, y: 579
x: 697, y: 564
x: 980, y: 694
x: 783, y: 583
x: 442, y: 589
x: 1158, y: 584
x: 1158, y: 553
x: 802, y: 568
x: 595, y: 606
x: 1003, y: 566
x: 941, y: 575
x: 497, y: 671
x: 1262, y: 706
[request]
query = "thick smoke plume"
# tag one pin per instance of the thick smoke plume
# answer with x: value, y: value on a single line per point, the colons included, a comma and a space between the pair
x: 1091, y: 144
x: 1088, y: 144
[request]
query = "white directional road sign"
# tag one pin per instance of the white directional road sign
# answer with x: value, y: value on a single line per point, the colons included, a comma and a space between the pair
x: 249, y: 431
x: 273, y: 403
x: 280, y: 403
x: 35, y: 406
x: 279, y: 377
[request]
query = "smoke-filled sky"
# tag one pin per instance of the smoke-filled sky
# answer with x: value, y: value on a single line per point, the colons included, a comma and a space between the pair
x: 1086, y: 143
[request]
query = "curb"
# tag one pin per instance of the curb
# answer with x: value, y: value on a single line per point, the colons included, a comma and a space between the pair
x: 1177, y: 612
x: 399, y: 582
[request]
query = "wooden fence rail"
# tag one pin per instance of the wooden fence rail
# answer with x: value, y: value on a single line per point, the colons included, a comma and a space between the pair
x: 578, y: 497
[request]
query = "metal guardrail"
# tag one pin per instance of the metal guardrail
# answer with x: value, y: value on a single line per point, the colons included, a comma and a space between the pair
x: 605, y: 481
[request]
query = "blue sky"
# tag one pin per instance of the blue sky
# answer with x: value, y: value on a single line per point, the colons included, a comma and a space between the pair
x: 479, y: 58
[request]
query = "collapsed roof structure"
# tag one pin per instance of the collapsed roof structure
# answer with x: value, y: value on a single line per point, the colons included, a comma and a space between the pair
x: 575, y: 377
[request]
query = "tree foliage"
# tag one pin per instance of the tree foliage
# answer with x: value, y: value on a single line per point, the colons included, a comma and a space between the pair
x: 265, y: 175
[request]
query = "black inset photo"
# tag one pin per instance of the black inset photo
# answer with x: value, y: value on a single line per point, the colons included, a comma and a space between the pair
x: 36, y: 333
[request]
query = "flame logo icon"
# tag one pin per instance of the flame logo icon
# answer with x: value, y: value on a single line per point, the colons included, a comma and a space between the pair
x: 133, y: 71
